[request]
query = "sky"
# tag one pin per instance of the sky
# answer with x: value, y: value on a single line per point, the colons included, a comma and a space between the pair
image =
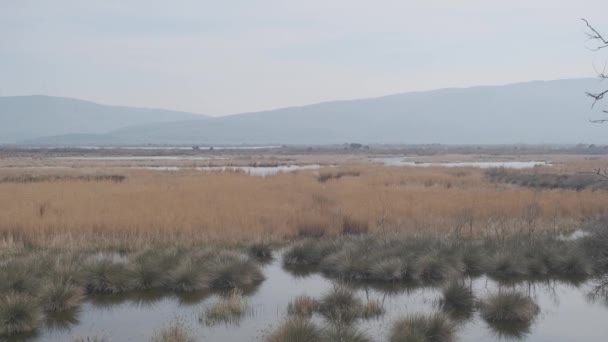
x: 233, y: 56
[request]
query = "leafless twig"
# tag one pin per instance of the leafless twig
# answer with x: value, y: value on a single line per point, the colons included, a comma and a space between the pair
x: 594, y: 35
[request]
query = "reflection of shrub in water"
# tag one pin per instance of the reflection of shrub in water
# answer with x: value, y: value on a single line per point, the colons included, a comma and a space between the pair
x: 230, y: 309
x: 303, y: 306
x: 372, y: 309
x: 62, y: 321
x: 90, y: 339
x: 432, y: 328
x: 176, y: 331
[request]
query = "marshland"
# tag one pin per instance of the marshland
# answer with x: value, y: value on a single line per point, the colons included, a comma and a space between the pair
x: 350, y: 250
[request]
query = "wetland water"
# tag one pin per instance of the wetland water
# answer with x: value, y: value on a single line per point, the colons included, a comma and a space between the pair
x: 567, y: 313
x: 404, y: 161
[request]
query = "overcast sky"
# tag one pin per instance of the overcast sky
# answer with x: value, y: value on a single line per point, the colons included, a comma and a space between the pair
x: 223, y: 57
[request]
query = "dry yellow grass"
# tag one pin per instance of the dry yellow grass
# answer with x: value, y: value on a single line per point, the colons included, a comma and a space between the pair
x: 235, y: 206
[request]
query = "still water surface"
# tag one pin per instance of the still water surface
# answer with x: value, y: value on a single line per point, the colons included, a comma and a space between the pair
x: 567, y: 312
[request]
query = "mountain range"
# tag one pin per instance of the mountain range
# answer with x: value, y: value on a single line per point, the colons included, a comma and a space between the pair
x: 535, y: 112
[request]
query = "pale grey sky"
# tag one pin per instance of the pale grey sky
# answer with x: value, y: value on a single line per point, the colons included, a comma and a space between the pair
x: 223, y: 57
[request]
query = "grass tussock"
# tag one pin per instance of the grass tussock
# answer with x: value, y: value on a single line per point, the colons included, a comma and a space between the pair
x: 296, y: 330
x: 230, y: 309
x: 106, y: 277
x: 176, y: 331
x: 432, y: 328
x: 458, y: 300
x: 346, y: 334
x: 508, y: 306
x: 230, y: 271
x: 436, y: 261
x: 19, y: 314
x: 61, y: 296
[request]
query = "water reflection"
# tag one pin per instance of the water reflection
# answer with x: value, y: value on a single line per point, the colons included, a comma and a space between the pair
x: 135, y: 316
x: 63, y: 321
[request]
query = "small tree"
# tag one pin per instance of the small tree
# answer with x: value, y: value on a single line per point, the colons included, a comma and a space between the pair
x: 599, y: 43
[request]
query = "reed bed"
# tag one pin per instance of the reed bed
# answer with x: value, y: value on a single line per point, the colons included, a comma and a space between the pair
x: 236, y: 206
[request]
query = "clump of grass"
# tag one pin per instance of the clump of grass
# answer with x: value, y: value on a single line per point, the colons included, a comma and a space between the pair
x: 340, y: 305
x: 345, y: 334
x: 348, y: 264
x: 106, y: 277
x: 175, y: 332
x: 570, y: 262
x: 458, y: 300
x: 188, y: 276
x: 508, y: 306
x: 372, y: 309
x: 435, y: 268
x: 303, y: 306
x: 229, y: 271
x: 508, y: 266
x: 387, y: 269
x: 296, y: 329
x: 475, y: 261
x: 309, y: 252
x: 433, y: 328
x: 19, y: 314
x: 17, y: 277
x: 146, y: 275
x: 230, y: 309
x: 60, y: 296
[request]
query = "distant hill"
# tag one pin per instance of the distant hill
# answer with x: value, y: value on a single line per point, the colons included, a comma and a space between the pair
x: 530, y: 112
x: 31, y: 117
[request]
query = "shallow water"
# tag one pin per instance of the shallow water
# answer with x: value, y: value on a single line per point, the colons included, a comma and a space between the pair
x: 252, y: 147
x: 138, y: 158
x: 402, y: 161
x: 250, y: 170
x: 567, y: 313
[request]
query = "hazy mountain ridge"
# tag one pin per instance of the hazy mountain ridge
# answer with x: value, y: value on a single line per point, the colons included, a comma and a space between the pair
x: 30, y: 117
x: 530, y: 112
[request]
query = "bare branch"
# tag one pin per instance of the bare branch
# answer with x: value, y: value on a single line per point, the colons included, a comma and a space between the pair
x: 594, y: 35
x: 597, y: 96
x: 601, y: 74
